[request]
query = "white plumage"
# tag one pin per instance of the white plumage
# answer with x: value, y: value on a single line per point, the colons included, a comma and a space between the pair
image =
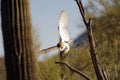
x: 63, y: 31
x: 63, y: 27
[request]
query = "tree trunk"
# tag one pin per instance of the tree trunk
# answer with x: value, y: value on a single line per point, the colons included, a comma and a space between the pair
x: 17, y: 35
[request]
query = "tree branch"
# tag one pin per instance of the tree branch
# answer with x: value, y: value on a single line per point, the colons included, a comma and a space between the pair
x: 93, y: 53
x: 81, y: 9
x: 74, y: 70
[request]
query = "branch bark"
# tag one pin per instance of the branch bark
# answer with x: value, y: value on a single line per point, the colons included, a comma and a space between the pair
x: 97, y: 67
x: 73, y: 69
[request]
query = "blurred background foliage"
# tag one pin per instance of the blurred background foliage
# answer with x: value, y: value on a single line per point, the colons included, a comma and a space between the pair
x: 106, y: 31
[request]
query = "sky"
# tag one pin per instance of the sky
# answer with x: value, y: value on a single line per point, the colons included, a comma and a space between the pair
x: 46, y: 19
x: 45, y: 15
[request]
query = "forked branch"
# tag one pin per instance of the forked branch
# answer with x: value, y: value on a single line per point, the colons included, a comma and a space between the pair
x: 87, y: 23
x: 73, y: 69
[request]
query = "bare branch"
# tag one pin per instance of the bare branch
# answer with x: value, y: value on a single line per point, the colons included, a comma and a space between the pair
x: 80, y: 6
x: 44, y: 51
x: 97, y: 67
x: 74, y: 70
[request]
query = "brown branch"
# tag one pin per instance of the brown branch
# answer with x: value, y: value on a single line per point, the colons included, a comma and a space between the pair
x: 63, y: 70
x: 97, y: 67
x: 81, y: 6
x: 44, y: 51
x: 81, y: 9
x: 74, y: 70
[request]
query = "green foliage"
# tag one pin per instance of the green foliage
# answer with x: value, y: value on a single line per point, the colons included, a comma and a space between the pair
x: 79, y: 58
x: 48, y: 70
x: 2, y: 70
x: 36, y: 40
x: 106, y: 30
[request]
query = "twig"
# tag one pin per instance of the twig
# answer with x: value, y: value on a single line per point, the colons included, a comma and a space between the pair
x: 74, y: 70
x: 44, y: 51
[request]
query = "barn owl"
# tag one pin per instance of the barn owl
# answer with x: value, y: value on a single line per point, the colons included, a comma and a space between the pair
x: 65, y: 40
x: 63, y: 45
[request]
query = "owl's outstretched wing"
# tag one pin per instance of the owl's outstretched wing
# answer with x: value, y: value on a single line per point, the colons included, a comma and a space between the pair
x: 63, y: 27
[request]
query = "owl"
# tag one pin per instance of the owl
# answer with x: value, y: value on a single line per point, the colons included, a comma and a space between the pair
x: 65, y: 39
